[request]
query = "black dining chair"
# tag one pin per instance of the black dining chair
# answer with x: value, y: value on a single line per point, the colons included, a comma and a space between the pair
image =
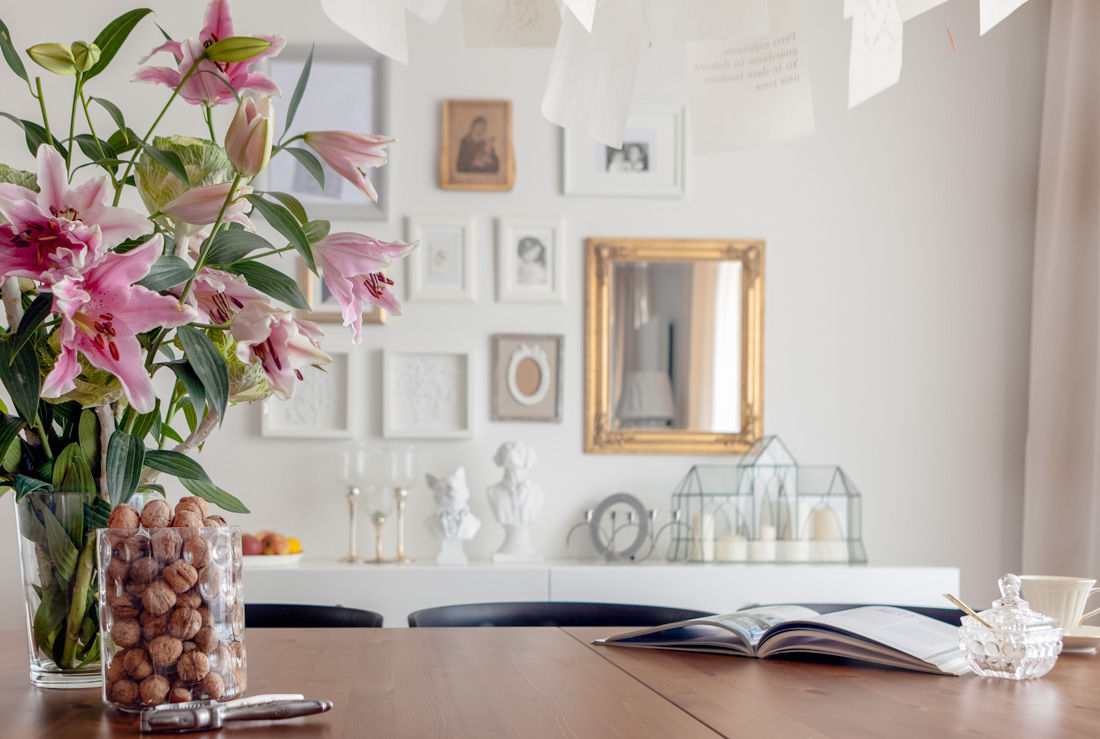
x: 549, y: 613
x: 294, y: 616
x: 951, y: 616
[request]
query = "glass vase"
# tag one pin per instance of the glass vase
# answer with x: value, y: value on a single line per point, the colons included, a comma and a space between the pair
x: 57, y: 559
x: 172, y: 615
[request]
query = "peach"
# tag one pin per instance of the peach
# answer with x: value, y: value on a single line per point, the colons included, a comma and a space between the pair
x: 276, y: 544
x: 251, y: 545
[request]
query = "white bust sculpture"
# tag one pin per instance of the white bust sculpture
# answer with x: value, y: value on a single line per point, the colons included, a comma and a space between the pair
x: 452, y: 523
x: 516, y: 502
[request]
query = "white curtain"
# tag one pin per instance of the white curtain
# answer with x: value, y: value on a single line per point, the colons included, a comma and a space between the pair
x: 1062, y: 482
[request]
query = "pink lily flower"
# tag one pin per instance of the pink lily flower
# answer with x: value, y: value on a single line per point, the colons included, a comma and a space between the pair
x: 352, y: 266
x: 349, y: 153
x: 248, y: 139
x: 205, y: 86
x: 218, y: 295
x: 101, y: 316
x: 200, y: 206
x: 60, y: 231
x: 282, y: 344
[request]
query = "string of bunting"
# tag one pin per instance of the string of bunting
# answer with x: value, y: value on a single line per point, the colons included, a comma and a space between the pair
x: 746, y: 77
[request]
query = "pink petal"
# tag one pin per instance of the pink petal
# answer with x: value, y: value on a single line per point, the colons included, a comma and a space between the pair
x: 160, y: 75
x: 129, y: 368
x: 126, y: 269
x: 63, y: 375
x: 258, y: 83
x: 217, y: 22
x: 53, y: 183
x: 172, y: 46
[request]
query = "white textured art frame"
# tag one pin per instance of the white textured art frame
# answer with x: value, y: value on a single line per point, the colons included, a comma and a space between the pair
x: 420, y: 289
x: 509, y: 232
x: 297, y: 418
x: 427, y: 394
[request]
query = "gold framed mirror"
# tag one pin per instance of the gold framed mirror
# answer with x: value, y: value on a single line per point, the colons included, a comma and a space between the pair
x: 674, y: 346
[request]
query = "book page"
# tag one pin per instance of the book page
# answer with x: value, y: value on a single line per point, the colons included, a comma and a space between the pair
x: 752, y: 623
x: 922, y: 637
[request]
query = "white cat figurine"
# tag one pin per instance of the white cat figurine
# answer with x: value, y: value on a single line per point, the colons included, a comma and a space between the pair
x: 452, y: 523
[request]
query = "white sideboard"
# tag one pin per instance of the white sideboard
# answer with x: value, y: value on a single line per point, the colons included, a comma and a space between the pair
x: 396, y: 590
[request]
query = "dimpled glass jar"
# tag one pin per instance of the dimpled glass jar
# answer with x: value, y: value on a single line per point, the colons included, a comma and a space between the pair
x: 172, y: 615
x: 1022, y: 643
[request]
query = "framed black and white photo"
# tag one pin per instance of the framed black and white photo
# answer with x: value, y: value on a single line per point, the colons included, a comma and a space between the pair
x: 326, y: 404
x: 346, y: 91
x: 530, y: 260
x: 526, y: 377
x: 650, y: 162
x: 441, y: 269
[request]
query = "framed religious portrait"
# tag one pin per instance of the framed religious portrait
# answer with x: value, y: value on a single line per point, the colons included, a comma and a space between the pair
x: 347, y: 91
x: 526, y: 379
x: 441, y: 269
x: 476, y: 147
x: 530, y: 260
x: 650, y: 163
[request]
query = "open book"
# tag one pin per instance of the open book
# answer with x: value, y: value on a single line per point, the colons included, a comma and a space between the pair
x: 884, y: 635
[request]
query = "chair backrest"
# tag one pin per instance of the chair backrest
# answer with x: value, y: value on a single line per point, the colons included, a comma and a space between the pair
x: 549, y: 614
x: 951, y: 616
x: 293, y: 616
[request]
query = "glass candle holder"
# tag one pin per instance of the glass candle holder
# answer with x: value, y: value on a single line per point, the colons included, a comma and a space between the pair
x: 171, y: 615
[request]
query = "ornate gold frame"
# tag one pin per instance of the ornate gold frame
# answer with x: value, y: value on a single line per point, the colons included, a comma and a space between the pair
x: 602, y: 253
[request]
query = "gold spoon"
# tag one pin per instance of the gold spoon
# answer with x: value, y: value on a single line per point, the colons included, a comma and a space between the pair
x: 969, y: 611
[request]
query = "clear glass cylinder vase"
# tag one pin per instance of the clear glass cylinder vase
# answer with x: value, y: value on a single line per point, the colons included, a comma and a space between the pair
x: 57, y: 559
x: 172, y: 615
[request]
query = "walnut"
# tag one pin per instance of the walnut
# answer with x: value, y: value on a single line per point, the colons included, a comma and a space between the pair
x: 137, y: 663
x: 195, y: 502
x: 126, y: 632
x: 158, y: 598
x: 240, y: 682
x: 117, y: 571
x: 131, y: 548
x: 213, y: 686
x: 180, y: 576
x: 116, y: 669
x: 204, y: 613
x: 187, y: 517
x: 222, y: 659
x: 144, y: 570
x: 165, y: 650
x: 156, y: 514
x: 184, y: 623
x: 124, y: 606
x: 214, y: 521
x: 154, y: 690
x: 207, y: 639
x: 237, y: 648
x: 179, y: 695
x: 166, y: 545
x: 124, y: 692
x: 210, y: 581
x: 189, y: 646
x: 123, y: 517
x: 136, y: 589
x: 190, y: 598
x: 193, y: 667
x: 153, y: 625
x: 236, y: 621
x: 196, y: 552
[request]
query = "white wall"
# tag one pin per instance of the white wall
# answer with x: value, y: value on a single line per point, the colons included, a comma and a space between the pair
x: 898, y: 272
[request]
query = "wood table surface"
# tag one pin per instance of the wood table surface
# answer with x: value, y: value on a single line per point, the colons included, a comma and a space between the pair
x: 738, y: 696
x: 483, y: 682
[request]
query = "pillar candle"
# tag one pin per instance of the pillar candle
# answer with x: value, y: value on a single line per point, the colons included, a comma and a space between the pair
x: 732, y: 548
x: 702, y: 531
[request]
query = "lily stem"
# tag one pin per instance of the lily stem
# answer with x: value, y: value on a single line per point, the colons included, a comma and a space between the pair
x: 201, y: 261
x: 42, y: 106
x: 77, y: 94
x: 95, y: 136
x: 79, y: 603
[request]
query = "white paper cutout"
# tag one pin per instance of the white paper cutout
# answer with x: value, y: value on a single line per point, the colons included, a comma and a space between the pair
x: 909, y: 8
x: 992, y: 12
x: 754, y: 91
x: 380, y: 24
x: 704, y: 20
x: 510, y: 23
x: 584, y: 11
x: 428, y: 10
x: 875, y: 60
x: 592, y: 74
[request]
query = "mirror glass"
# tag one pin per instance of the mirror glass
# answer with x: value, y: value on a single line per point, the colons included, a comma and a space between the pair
x: 675, y: 335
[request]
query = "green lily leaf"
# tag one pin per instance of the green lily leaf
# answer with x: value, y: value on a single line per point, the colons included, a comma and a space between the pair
x: 299, y: 90
x: 285, y: 223
x: 230, y: 245
x: 125, y: 459
x: 308, y: 160
x: 25, y: 484
x: 19, y: 372
x: 32, y: 318
x: 176, y: 464
x: 166, y: 272
x: 62, y: 550
x: 209, y: 365
x: 210, y: 492
x: 111, y: 38
x: 10, y: 54
x: 271, y: 281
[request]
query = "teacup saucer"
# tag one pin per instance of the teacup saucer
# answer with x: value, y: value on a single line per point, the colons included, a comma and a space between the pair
x: 1081, y: 639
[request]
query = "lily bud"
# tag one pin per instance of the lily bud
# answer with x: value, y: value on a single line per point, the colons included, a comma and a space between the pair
x: 85, y: 55
x: 236, y: 49
x: 248, y: 140
x: 54, y: 57
x: 201, y: 205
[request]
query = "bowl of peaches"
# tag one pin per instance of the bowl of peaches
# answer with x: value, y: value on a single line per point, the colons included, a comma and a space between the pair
x: 268, y: 549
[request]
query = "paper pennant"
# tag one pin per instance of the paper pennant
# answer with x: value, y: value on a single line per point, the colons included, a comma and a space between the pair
x: 508, y: 24
x: 992, y: 12
x: 875, y: 60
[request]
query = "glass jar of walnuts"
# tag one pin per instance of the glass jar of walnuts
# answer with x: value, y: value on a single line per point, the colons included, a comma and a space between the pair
x: 171, y: 605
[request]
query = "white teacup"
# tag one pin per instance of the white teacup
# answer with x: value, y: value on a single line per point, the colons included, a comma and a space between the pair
x: 1061, y: 598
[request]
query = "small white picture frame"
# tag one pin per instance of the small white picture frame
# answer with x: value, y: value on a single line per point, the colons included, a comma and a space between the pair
x: 530, y: 260
x: 442, y: 268
x: 649, y: 164
x: 326, y: 404
x: 427, y: 394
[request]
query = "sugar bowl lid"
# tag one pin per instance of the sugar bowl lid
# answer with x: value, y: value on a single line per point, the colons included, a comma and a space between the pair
x: 1011, y: 612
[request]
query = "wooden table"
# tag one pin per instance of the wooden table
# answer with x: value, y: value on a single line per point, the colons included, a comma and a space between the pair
x: 552, y: 682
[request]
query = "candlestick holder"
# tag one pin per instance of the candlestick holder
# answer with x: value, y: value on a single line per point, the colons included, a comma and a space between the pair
x: 353, y: 508
x: 400, y: 497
